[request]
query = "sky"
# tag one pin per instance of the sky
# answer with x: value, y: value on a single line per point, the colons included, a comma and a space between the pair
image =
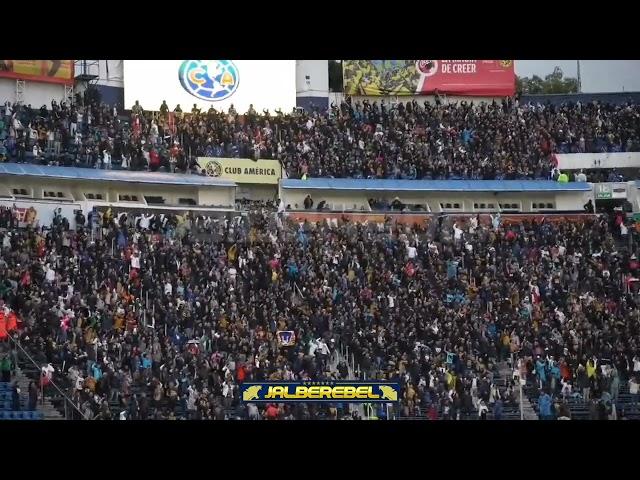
x: 597, y: 75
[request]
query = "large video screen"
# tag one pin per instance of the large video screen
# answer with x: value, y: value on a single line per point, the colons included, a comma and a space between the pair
x: 265, y: 84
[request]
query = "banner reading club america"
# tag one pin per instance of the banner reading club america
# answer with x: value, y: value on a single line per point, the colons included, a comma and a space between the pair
x: 485, y: 78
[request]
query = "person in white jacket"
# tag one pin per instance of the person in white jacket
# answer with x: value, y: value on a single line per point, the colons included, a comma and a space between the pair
x: 50, y: 274
x: 482, y: 410
x: 636, y: 364
x: 473, y: 225
x: 135, y: 260
x: 457, y: 232
x: 144, y: 221
x: 106, y: 159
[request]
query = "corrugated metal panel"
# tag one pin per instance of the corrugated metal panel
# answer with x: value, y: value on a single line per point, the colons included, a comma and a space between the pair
x: 112, y: 175
x: 437, y: 185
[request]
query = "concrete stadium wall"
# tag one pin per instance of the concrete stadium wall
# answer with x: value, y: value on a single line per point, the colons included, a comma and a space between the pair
x: 353, y: 200
x: 35, y: 93
x: 312, y: 84
x: 576, y: 161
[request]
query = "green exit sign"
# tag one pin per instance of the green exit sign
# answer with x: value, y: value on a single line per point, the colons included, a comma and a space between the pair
x: 604, y: 191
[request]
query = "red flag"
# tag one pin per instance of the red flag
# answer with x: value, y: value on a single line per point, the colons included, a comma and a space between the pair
x: 3, y: 326
x: 172, y: 123
x: 137, y: 128
x: 12, y: 321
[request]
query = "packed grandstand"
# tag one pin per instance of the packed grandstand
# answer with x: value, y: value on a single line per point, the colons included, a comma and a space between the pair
x: 130, y: 314
x: 498, y: 140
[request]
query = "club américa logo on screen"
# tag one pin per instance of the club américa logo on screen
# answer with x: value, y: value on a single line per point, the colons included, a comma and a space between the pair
x: 209, y: 80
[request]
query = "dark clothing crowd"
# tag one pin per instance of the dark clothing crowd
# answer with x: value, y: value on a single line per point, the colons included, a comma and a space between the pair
x: 143, y: 316
x: 462, y: 140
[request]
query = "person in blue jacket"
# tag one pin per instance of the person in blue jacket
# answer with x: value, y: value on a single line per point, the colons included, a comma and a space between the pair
x: 96, y: 371
x: 145, y: 363
x: 544, y: 406
x: 541, y: 371
x: 497, y: 410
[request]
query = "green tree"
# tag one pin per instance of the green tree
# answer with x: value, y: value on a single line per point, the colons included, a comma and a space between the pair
x: 555, y: 82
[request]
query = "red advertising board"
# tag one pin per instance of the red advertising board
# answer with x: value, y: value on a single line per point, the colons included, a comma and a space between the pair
x: 468, y: 77
x: 489, y: 78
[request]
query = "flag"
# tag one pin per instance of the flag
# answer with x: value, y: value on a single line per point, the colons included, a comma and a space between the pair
x: 231, y: 253
x: 286, y: 338
x: 172, y: 123
x: 3, y: 326
x: 12, y: 321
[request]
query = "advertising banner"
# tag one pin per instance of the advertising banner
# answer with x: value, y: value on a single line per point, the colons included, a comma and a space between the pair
x: 242, y: 170
x: 327, y: 391
x: 488, y: 78
x: 47, y: 71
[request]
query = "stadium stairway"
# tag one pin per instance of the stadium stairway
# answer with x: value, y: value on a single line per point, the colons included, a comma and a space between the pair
x: 46, y: 408
x: 6, y: 393
x: 506, y: 373
x: 27, y: 371
x: 336, y: 358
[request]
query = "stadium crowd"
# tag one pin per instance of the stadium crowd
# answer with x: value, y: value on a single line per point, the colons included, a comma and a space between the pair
x: 154, y: 317
x: 498, y: 140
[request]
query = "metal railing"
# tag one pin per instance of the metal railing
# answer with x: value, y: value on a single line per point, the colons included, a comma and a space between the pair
x: 360, y: 374
x: 69, y: 405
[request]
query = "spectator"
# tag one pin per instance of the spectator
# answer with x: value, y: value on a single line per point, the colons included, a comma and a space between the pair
x: 33, y: 396
x: 588, y: 207
x: 15, y: 397
x: 5, y: 368
x: 583, y: 382
x: 308, y: 202
x: 544, y: 406
x: 634, y: 388
x: 408, y: 140
x: 205, y: 329
x: 497, y: 409
x: 482, y: 410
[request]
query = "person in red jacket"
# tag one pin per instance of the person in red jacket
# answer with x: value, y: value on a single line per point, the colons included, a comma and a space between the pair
x: 433, y: 412
x: 154, y: 160
x: 241, y: 373
x: 565, y: 371
x: 271, y: 413
x: 42, y: 249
